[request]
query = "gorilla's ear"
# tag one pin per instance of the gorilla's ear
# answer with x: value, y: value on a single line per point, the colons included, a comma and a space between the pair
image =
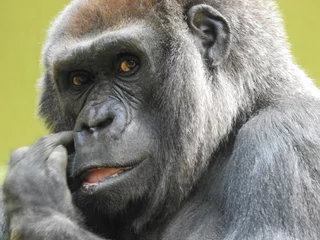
x: 211, y: 31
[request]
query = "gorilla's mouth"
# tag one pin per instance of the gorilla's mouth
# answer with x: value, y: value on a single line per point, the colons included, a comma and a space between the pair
x: 95, y: 176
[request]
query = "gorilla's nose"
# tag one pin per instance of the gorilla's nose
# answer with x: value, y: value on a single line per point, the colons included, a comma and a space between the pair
x: 108, y: 118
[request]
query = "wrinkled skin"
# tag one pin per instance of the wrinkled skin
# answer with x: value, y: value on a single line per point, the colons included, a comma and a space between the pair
x: 172, y: 120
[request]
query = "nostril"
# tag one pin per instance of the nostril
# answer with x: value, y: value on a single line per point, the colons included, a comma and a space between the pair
x: 107, y: 122
x: 85, y: 128
x: 93, y: 127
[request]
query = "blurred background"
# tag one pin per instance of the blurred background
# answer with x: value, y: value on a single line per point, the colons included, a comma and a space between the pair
x: 23, y: 25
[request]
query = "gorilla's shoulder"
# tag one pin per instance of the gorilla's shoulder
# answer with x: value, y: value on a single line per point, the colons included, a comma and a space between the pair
x: 290, y: 123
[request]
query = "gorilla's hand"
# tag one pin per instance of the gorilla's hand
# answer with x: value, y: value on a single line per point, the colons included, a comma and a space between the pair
x: 37, y: 177
x: 37, y: 198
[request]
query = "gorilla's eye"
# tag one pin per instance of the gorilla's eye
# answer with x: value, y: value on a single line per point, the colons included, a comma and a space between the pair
x: 80, y: 78
x: 128, y: 65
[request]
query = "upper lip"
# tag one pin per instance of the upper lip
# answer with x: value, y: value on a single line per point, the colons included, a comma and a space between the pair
x: 82, y: 173
x: 77, y: 177
x: 98, y: 175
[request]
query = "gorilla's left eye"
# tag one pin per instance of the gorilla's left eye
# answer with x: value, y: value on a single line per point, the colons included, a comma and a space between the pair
x: 128, y: 65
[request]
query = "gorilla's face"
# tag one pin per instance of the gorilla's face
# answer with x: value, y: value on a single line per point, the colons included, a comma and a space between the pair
x: 106, y: 85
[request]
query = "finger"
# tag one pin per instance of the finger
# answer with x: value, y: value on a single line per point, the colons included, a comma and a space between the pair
x: 64, y: 138
x: 46, y: 145
x: 57, y: 162
x: 17, y: 155
x: 50, y: 142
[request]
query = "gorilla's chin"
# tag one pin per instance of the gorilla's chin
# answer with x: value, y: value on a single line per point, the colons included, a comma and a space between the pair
x: 114, y: 188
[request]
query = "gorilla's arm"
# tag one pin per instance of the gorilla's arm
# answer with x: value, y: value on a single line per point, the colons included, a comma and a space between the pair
x: 37, y: 200
x: 4, y: 234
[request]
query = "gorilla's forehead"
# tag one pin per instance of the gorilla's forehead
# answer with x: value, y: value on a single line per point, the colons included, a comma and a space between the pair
x: 132, y: 36
x: 86, y: 15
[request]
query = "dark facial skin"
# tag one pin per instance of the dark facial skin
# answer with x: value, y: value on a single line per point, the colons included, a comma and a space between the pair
x: 113, y: 124
x: 115, y: 121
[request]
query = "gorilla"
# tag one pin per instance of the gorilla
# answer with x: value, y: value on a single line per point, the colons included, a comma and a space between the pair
x: 170, y: 119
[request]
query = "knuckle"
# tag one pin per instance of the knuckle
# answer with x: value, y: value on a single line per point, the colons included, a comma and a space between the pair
x: 10, y: 182
x: 19, y: 152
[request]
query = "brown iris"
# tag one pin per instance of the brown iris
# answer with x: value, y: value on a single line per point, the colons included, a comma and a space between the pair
x: 80, y: 80
x: 127, y: 65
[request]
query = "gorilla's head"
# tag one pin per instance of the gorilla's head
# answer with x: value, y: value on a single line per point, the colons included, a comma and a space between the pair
x: 152, y: 90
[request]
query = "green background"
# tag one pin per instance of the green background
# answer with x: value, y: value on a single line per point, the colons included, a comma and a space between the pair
x: 23, y: 27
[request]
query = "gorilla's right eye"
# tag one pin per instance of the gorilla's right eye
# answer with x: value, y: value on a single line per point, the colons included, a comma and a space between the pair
x: 80, y: 78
